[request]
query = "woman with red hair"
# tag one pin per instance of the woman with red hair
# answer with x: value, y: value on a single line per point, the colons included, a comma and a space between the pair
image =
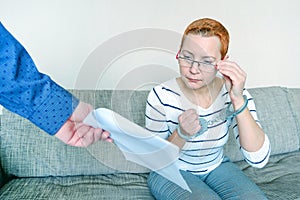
x: 195, y: 112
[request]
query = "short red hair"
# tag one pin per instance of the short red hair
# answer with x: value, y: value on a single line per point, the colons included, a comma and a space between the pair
x: 207, y: 27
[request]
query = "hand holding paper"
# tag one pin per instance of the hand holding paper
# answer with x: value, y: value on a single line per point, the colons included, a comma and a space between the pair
x: 139, y: 145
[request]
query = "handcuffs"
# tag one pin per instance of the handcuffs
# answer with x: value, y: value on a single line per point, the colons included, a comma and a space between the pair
x: 230, y: 114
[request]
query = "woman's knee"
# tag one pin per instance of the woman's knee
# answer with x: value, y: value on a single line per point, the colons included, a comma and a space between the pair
x: 162, y: 188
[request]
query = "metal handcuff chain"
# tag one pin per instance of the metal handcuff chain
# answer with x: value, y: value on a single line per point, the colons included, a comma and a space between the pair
x: 204, y: 123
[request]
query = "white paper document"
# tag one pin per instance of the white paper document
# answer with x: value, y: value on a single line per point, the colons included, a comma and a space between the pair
x: 140, y: 145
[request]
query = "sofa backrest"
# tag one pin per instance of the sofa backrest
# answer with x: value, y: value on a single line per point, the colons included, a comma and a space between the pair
x: 26, y: 151
x: 278, y: 112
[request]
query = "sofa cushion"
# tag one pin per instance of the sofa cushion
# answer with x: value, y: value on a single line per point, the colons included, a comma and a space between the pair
x: 294, y: 100
x: 26, y: 151
x: 114, y: 186
x: 280, y: 180
x: 277, y: 120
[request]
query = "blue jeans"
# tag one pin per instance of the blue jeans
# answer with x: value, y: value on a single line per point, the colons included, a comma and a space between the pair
x: 225, y: 182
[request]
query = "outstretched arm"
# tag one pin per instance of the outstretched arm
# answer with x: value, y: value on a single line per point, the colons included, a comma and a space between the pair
x: 33, y: 95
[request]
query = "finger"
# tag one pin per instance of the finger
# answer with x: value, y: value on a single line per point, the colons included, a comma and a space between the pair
x: 81, y: 129
x: 232, y: 67
x: 228, y: 70
x: 228, y: 84
x: 236, y: 75
x: 106, y: 137
x: 189, y: 115
x: 233, y: 74
x: 92, y: 135
x: 190, y: 127
x: 195, y: 129
x: 229, y: 67
x: 224, y: 63
x: 86, y: 134
x: 109, y: 140
x: 188, y: 124
x: 97, y: 134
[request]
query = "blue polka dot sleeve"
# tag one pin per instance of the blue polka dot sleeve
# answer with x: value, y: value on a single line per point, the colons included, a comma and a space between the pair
x: 29, y: 93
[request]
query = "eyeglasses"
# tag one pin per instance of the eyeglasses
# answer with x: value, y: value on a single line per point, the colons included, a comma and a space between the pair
x: 186, y: 61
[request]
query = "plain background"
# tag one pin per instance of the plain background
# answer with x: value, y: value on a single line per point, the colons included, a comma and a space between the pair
x: 68, y: 39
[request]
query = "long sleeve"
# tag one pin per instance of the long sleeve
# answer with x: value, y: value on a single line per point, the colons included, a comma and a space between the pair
x: 155, y: 115
x: 29, y: 93
x: 259, y: 158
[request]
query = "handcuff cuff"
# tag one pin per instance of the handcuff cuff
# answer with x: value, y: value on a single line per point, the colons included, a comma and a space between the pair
x: 230, y: 114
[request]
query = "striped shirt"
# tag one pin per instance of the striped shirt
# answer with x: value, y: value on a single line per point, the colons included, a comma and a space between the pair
x: 203, y: 153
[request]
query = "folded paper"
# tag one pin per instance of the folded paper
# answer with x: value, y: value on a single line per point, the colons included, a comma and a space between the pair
x: 140, y: 145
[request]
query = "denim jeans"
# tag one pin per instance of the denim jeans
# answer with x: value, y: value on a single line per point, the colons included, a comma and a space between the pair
x: 225, y: 182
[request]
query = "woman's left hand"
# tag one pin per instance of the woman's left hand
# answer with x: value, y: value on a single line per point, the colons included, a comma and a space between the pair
x: 235, y: 79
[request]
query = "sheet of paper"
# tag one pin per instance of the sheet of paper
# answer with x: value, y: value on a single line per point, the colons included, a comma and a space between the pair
x: 140, y: 145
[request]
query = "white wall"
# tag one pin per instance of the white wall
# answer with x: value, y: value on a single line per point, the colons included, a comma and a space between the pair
x: 131, y: 44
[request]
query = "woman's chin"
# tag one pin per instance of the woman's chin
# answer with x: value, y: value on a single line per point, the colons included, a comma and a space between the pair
x: 194, y: 85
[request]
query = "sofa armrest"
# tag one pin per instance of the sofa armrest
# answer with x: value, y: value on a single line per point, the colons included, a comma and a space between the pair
x: 3, y: 178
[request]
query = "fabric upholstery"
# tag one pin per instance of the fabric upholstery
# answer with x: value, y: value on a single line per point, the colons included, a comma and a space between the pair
x: 294, y: 100
x: 113, y: 186
x: 42, y: 167
x: 46, y: 156
x: 280, y: 178
x: 277, y: 120
x: 26, y: 151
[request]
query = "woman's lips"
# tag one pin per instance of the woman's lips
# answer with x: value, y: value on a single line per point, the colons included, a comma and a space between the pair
x: 193, y: 80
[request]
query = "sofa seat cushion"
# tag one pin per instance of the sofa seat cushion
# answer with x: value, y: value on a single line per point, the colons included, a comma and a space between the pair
x: 111, y: 186
x: 280, y: 178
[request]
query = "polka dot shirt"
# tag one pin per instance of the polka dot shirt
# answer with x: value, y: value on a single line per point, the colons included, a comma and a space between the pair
x: 29, y: 93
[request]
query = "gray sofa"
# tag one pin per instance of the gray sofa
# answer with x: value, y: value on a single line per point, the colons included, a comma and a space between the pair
x: 37, y: 166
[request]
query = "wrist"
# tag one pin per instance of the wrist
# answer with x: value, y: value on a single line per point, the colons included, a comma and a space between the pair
x: 183, y: 136
x: 204, y: 128
x: 238, y: 103
x: 235, y: 112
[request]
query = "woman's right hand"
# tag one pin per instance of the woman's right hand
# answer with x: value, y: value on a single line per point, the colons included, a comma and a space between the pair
x: 189, y: 122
